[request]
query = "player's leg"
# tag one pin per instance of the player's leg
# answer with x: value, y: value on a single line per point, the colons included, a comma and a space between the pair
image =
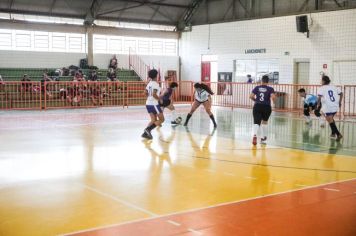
x: 207, y: 106
x: 319, y: 116
x: 195, y: 106
x: 335, y: 134
x: 307, y: 113
x: 152, y: 124
x: 257, y: 118
x: 267, y: 110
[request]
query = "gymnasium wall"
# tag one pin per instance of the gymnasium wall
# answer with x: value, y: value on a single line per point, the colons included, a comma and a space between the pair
x: 332, y: 41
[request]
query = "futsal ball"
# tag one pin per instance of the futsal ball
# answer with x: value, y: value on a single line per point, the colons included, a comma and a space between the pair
x: 179, y: 120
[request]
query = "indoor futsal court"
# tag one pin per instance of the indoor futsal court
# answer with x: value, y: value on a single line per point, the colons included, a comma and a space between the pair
x: 191, y: 117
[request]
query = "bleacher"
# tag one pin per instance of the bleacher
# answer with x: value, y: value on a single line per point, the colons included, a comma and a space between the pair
x: 127, y: 91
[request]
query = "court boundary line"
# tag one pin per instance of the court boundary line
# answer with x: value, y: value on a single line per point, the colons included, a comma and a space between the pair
x: 126, y: 203
x: 205, y: 208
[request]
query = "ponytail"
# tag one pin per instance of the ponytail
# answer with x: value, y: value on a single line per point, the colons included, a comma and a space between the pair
x: 206, y: 88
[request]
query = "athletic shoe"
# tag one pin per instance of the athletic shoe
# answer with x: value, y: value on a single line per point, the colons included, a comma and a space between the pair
x: 333, y: 136
x: 254, y: 140
x: 174, y: 122
x: 264, y: 140
x: 322, y: 125
x: 147, y: 134
x: 339, y: 137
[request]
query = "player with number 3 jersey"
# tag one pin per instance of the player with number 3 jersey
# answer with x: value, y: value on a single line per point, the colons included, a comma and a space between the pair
x: 262, y: 96
x: 330, y: 100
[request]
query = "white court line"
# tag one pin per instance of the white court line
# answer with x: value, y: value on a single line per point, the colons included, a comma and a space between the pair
x: 227, y: 173
x: 332, y: 189
x: 205, y: 208
x: 194, y: 231
x: 119, y: 200
x: 301, y: 185
x: 250, y: 177
x: 173, y: 223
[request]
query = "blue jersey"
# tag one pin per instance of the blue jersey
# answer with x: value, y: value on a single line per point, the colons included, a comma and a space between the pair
x: 310, y: 100
x: 263, y: 94
x: 167, y: 95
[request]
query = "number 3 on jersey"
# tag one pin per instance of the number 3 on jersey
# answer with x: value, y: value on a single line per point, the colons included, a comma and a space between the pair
x: 331, y: 95
x: 262, y: 97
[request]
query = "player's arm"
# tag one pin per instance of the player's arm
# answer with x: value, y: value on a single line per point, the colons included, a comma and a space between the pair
x: 319, y: 101
x: 253, y: 97
x: 155, y: 95
x: 341, y: 97
x: 145, y: 93
x: 273, y: 97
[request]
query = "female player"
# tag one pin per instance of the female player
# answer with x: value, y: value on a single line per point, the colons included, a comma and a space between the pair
x: 167, y: 102
x: 262, y: 96
x: 152, y: 104
x: 330, y: 100
x: 202, y: 95
x: 310, y: 104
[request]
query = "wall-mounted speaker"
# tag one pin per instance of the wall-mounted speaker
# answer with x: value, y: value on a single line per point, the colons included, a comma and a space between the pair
x: 302, y: 23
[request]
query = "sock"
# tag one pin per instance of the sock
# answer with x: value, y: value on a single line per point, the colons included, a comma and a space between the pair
x: 256, y: 127
x: 173, y: 117
x: 213, y: 119
x: 187, y: 119
x: 334, y: 129
x: 264, y: 130
x: 151, y: 127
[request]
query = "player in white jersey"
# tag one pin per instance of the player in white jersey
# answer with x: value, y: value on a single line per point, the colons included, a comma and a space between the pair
x: 202, y: 95
x: 330, y: 100
x: 152, y: 104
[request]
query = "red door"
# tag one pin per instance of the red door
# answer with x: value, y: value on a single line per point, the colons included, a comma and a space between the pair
x: 205, y: 72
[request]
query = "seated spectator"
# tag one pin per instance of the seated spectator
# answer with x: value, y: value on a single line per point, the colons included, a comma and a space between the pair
x: 26, y: 85
x: 2, y: 84
x: 111, y: 75
x: 78, y: 76
x: 113, y: 62
x: 45, y: 78
x: 93, y: 76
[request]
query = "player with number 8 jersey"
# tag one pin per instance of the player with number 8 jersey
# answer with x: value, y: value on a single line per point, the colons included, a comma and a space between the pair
x: 330, y: 100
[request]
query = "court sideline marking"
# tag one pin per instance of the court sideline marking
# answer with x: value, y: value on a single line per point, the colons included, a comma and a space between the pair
x: 204, y: 208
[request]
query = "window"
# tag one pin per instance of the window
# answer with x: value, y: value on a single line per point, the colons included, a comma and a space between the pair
x: 157, y: 47
x: 58, y: 42
x: 23, y: 39
x: 143, y: 46
x: 41, y: 41
x: 5, y: 39
x: 115, y: 45
x: 130, y: 44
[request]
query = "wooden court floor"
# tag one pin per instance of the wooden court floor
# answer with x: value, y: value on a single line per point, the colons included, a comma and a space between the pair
x: 88, y: 172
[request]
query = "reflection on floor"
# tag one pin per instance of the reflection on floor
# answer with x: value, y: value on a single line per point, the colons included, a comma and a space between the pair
x: 67, y: 171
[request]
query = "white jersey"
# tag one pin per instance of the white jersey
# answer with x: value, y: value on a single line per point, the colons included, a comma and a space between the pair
x: 330, y: 98
x: 151, y: 86
x: 201, y: 96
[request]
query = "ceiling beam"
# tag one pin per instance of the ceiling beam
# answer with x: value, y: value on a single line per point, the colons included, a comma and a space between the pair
x: 337, y: 3
x: 157, y: 3
x: 189, y: 13
x: 11, y: 4
x: 52, y: 6
x: 304, y: 5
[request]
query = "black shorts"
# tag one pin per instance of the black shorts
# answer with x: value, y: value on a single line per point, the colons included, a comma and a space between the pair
x: 261, y: 113
x: 200, y: 101
x: 165, y: 103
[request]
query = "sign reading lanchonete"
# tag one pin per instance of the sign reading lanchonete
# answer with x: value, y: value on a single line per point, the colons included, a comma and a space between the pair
x: 251, y: 51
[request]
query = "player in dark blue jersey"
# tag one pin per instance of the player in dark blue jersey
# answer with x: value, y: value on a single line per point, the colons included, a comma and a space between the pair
x: 262, y: 96
x: 311, y: 104
x: 167, y: 101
